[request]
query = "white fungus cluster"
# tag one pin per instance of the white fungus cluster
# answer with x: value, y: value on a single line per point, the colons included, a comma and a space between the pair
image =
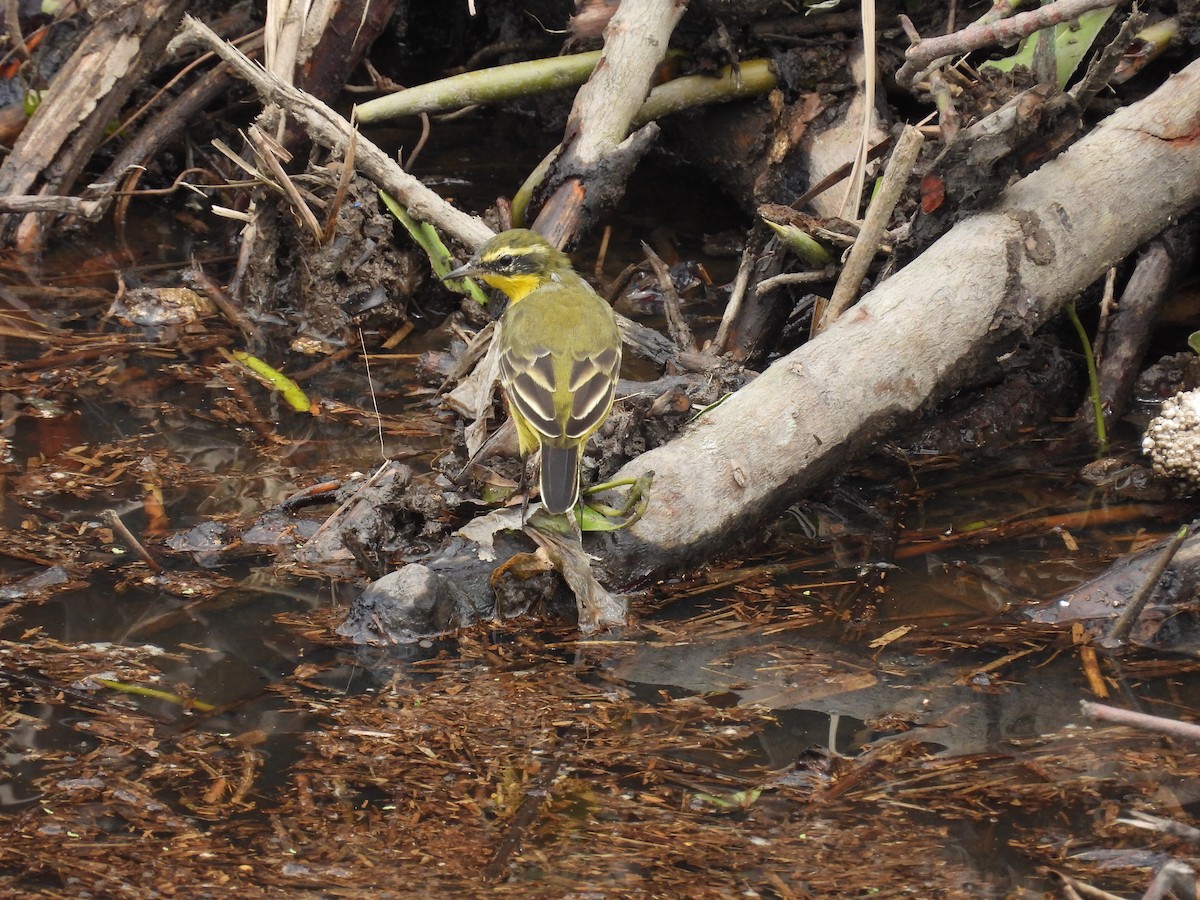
x: 1172, y: 440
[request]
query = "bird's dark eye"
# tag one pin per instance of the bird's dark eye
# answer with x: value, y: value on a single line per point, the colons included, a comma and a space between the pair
x: 505, y: 261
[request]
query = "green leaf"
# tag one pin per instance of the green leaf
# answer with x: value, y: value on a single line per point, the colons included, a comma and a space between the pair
x: 1072, y: 41
x: 801, y: 244
x: 736, y: 800
x: 428, y: 240
x: 288, y: 389
x: 594, y: 520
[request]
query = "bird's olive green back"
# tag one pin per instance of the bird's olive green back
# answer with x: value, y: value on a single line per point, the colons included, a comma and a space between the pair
x: 560, y: 358
x: 559, y: 351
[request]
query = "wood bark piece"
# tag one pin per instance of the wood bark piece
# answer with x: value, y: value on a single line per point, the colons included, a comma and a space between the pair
x: 598, y: 152
x: 912, y: 339
x: 351, y: 29
x: 126, y: 40
x: 1158, y: 267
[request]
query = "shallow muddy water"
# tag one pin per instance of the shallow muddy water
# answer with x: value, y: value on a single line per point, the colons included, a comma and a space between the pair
x: 862, y: 708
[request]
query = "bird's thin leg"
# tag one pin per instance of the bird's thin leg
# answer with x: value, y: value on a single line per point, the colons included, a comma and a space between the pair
x: 522, y: 486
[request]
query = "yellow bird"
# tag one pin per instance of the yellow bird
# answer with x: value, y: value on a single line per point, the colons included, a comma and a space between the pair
x: 560, y: 354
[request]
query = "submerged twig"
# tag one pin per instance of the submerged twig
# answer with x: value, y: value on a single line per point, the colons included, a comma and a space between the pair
x: 1139, y: 819
x: 1176, y: 879
x: 231, y: 311
x: 113, y: 521
x: 139, y: 690
x: 1074, y: 888
x: 527, y: 814
x: 242, y: 397
x: 1120, y: 631
x: 1114, y: 715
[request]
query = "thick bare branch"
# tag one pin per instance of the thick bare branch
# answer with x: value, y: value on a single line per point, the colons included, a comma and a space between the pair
x: 913, y: 338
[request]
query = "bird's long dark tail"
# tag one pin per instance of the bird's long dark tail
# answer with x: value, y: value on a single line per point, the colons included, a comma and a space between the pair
x: 559, y: 480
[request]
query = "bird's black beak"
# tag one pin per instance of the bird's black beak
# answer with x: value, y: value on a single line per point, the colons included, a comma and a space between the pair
x: 470, y: 267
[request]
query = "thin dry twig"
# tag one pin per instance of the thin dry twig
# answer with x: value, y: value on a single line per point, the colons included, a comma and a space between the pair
x: 113, y: 521
x: 838, y: 174
x: 12, y: 22
x: 329, y: 128
x: 268, y: 151
x: 927, y: 51
x: 343, y: 185
x: 230, y: 310
x: 904, y: 157
x: 858, y: 174
x: 1077, y: 888
x: 421, y: 141
x: 789, y: 278
x: 91, y: 210
x: 755, y: 247
x: 680, y: 333
x: 1103, y: 66
x: 1119, y: 633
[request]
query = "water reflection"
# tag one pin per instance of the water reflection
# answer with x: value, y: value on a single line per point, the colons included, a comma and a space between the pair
x: 740, y: 694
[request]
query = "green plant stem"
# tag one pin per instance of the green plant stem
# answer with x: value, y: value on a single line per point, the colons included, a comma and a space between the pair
x: 427, y: 239
x: 522, y: 79
x: 153, y: 693
x: 1093, y: 380
x: 752, y: 77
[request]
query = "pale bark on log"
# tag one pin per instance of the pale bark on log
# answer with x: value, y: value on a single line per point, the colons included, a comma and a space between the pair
x: 909, y: 342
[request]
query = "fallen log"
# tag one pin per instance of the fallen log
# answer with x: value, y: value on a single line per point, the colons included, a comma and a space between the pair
x: 990, y: 280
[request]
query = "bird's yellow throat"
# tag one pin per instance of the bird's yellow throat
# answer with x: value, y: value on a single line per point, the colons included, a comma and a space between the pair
x: 514, y: 286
